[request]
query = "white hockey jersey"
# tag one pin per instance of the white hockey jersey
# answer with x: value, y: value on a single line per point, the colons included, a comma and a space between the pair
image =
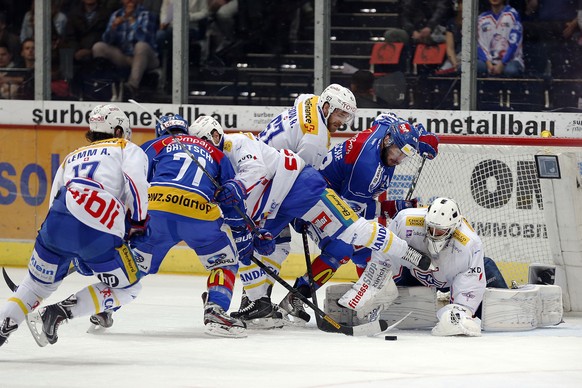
x: 104, y: 181
x: 266, y: 173
x: 301, y: 129
x: 458, y: 266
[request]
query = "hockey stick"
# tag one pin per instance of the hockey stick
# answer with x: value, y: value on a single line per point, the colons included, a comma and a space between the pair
x: 330, y: 324
x: 310, y: 273
x: 415, y: 180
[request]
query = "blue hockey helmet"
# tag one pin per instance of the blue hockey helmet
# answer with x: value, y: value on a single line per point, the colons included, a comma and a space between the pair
x: 171, y: 122
x: 404, y: 136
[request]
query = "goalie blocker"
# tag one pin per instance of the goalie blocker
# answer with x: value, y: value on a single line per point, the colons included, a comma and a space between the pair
x: 520, y: 309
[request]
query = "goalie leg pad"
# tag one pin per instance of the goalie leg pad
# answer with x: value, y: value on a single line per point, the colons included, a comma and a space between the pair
x: 523, y: 308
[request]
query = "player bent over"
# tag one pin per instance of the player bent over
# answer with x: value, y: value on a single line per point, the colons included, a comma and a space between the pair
x: 92, y: 191
x: 278, y: 187
x: 182, y: 209
x: 360, y: 169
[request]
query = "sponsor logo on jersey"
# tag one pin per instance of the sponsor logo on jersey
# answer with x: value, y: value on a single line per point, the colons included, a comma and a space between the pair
x: 321, y: 221
x: 338, y: 204
x: 377, y: 180
x: 129, y: 265
x: 308, y: 119
x: 109, y: 279
x: 220, y: 260
x: 468, y: 295
x: 41, y: 269
x: 461, y: 237
x: 427, y: 278
x: 182, y: 202
x: 227, y: 146
x: 417, y: 221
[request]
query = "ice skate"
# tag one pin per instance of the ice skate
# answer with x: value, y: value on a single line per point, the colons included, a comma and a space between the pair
x: 258, y: 314
x: 218, y: 323
x: 45, y: 322
x: 100, y: 321
x: 7, y: 327
x: 294, y: 313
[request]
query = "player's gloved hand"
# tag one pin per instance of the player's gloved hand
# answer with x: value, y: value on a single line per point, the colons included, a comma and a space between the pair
x: 299, y: 225
x: 264, y: 242
x: 428, y: 145
x: 455, y: 320
x: 244, y: 244
x: 231, y: 193
x: 138, y: 228
x: 389, y: 208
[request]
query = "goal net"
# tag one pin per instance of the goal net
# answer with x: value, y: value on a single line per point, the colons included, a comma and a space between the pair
x: 496, y: 184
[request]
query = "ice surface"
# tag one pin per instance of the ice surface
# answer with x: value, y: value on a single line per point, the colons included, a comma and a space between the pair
x: 159, y: 341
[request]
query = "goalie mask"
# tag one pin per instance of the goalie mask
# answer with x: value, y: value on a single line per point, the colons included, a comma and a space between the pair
x: 339, y: 97
x: 442, y: 218
x: 171, y: 122
x: 208, y: 129
x: 106, y: 118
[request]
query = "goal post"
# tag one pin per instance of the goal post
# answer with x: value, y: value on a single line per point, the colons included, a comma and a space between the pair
x: 522, y: 217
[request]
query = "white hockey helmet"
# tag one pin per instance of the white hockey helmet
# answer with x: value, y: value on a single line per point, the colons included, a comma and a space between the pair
x: 443, y: 217
x: 207, y: 128
x: 340, y: 98
x: 106, y: 118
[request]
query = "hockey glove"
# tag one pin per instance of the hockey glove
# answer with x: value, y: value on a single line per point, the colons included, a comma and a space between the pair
x: 231, y: 193
x: 244, y: 244
x: 428, y: 145
x: 390, y: 208
x: 299, y: 225
x: 264, y: 242
x: 455, y: 319
x: 138, y: 228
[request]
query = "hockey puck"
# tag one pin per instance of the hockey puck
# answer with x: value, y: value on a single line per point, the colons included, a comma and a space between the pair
x: 390, y: 337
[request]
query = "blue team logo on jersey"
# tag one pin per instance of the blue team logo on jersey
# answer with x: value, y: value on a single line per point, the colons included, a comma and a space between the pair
x: 427, y: 278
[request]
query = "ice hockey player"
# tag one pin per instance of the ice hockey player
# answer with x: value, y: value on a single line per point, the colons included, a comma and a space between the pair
x: 360, y: 169
x: 304, y: 128
x: 91, y: 191
x: 182, y: 209
x: 278, y: 187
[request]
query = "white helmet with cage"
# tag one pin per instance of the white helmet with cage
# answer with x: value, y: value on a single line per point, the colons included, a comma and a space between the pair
x: 106, y: 118
x: 443, y: 217
x: 207, y: 128
x: 338, y: 97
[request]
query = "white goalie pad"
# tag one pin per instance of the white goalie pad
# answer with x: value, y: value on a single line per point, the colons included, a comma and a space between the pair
x: 521, y: 309
x: 421, y: 301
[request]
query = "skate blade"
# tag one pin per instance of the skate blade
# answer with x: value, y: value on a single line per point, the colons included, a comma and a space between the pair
x: 293, y: 321
x: 264, y: 323
x: 218, y: 330
x: 96, y: 329
x: 34, y: 322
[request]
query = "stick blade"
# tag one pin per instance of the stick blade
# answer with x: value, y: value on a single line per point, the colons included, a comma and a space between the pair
x: 9, y: 281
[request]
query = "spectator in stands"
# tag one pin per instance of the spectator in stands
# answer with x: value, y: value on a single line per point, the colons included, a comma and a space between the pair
x: 5, y: 56
x: 422, y: 21
x: 58, y: 27
x: 27, y: 54
x: 499, y: 36
x: 11, y: 40
x: 548, y: 33
x: 129, y: 42
x: 221, y: 30
x: 453, y: 37
x: 197, y: 16
x: 362, y: 85
x: 20, y: 86
x: 87, y: 23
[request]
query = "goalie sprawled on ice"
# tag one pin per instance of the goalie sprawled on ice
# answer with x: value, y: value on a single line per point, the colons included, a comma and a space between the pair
x: 478, y: 297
